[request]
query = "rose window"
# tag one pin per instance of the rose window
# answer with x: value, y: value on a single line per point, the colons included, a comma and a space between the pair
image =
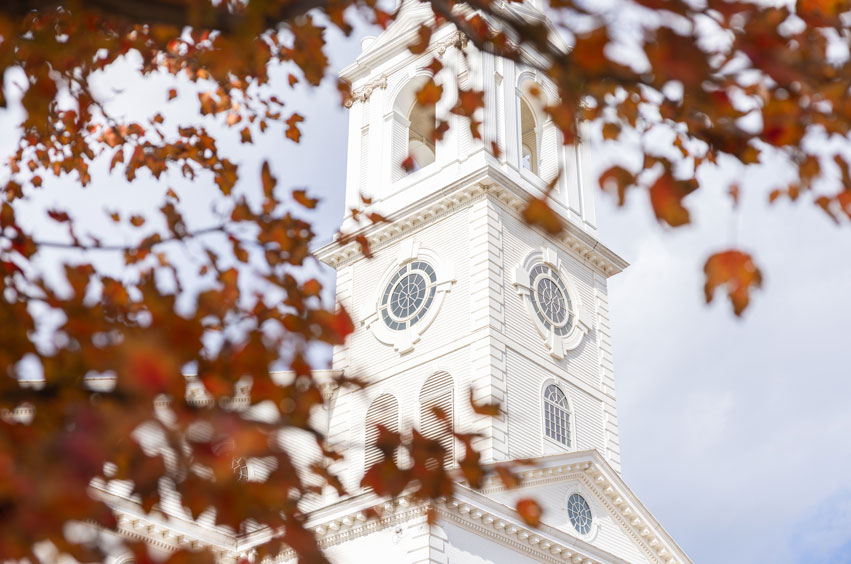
x: 408, y: 296
x: 579, y: 513
x: 550, y: 300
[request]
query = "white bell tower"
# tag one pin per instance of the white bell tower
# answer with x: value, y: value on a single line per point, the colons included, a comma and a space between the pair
x: 461, y: 294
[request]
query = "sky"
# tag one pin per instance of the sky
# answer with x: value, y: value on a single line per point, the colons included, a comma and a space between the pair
x: 734, y: 432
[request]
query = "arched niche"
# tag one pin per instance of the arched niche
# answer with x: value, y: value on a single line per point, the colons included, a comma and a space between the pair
x: 412, y: 128
x: 538, y: 137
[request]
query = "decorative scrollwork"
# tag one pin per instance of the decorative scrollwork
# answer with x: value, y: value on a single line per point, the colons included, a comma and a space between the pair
x: 363, y: 93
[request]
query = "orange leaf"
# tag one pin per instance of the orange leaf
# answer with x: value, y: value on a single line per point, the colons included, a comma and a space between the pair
x: 508, y: 478
x: 611, y: 131
x: 364, y: 245
x: 342, y: 324
x: 617, y: 179
x: 312, y: 287
x: 267, y: 179
x: 735, y: 270
x: 301, y: 197
x: 539, y: 213
x: 172, y: 93
x: 430, y: 93
x: 408, y: 164
x: 292, y: 127
x: 666, y: 196
x: 489, y: 409
x: 530, y: 511
x: 588, y: 54
x: 422, y: 41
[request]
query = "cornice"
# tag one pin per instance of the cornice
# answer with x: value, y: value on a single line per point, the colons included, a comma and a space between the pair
x: 487, y: 183
x: 474, y: 510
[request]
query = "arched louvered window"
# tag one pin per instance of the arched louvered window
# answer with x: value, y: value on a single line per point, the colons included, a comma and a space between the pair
x: 384, y: 410
x: 437, y: 392
x: 556, y: 415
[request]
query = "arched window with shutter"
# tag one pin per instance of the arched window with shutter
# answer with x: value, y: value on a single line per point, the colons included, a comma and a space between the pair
x: 384, y: 411
x: 437, y: 393
x: 556, y: 415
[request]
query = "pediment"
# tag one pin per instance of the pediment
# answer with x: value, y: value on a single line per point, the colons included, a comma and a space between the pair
x: 621, y: 526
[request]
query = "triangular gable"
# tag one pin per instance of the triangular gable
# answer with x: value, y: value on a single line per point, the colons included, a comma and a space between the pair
x: 621, y: 525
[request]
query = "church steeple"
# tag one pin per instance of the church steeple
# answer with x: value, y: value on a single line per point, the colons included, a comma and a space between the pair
x: 461, y: 294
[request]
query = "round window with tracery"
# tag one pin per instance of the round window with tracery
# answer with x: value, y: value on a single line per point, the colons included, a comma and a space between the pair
x: 408, y: 296
x: 550, y: 299
x: 579, y: 513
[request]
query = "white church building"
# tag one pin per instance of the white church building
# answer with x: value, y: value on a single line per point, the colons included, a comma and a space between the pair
x: 462, y: 294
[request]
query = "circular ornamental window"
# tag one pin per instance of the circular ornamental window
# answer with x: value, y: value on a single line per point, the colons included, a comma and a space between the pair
x: 408, y: 296
x: 550, y: 300
x: 579, y: 513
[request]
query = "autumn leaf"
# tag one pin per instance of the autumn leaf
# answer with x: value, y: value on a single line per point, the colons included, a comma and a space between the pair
x: 666, y: 196
x: 539, y: 213
x: 617, y: 180
x: 529, y: 511
x: 429, y: 93
x: 292, y: 131
x: 489, y: 409
x: 735, y: 271
x: 59, y: 216
x: 408, y: 164
x: 422, y: 41
x: 302, y: 198
x: 267, y: 180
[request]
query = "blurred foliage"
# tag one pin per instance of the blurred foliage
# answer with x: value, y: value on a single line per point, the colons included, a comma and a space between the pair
x: 722, y: 78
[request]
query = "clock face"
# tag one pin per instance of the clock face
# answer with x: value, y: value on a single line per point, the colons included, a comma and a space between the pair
x: 550, y: 300
x: 579, y: 513
x: 408, y: 296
